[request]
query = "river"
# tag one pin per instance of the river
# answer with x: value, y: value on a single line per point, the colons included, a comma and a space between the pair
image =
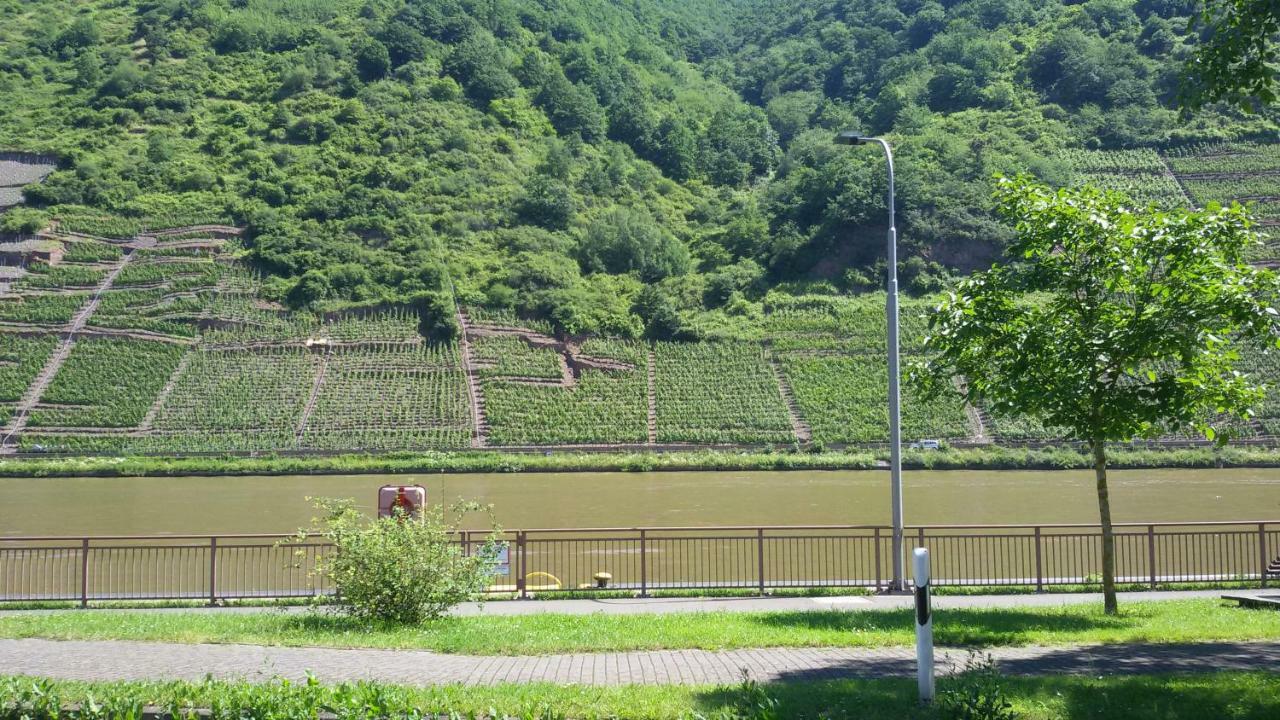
x: 199, y: 505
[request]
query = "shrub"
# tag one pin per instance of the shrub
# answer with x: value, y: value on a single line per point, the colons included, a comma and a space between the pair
x: 977, y: 693
x: 23, y: 221
x: 401, y: 569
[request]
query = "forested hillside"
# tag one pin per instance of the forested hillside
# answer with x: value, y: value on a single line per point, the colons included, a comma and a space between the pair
x: 323, y: 225
x: 647, y: 167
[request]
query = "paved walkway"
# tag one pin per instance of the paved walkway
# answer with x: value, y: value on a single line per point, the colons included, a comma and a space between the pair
x: 637, y: 606
x: 113, y: 660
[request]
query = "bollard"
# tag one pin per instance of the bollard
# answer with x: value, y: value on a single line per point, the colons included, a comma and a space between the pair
x: 924, y: 626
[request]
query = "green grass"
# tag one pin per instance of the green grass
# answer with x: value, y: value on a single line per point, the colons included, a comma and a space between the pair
x: 1222, y: 696
x: 1166, y: 621
x: 434, y: 461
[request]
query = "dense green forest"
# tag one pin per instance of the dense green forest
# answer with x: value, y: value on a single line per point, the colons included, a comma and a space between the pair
x: 642, y: 167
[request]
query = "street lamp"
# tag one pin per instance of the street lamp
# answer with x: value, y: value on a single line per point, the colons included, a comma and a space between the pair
x: 849, y: 137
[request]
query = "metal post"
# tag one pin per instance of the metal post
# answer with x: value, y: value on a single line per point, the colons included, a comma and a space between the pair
x: 522, y: 564
x: 760, y: 555
x: 1151, y: 554
x: 644, y: 566
x: 213, y: 571
x: 1262, y: 551
x: 878, y: 572
x: 895, y: 393
x: 1039, y: 562
x: 895, y: 398
x: 85, y: 573
x: 924, y: 626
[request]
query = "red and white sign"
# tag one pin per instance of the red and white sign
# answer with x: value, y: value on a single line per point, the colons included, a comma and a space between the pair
x: 408, y: 499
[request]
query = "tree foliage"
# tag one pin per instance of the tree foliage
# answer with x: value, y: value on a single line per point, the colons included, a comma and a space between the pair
x: 1239, y: 57
x: 418, y: 140
x: 1108, y: 321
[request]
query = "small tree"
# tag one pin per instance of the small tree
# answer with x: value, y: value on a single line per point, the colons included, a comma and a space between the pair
x: 1237, y: 56
x: 1109, y: 322
x: 401, y: 569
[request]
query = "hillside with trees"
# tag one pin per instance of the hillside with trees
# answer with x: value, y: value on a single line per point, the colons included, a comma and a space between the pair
x: 563, y: 222
x: 613, y: 168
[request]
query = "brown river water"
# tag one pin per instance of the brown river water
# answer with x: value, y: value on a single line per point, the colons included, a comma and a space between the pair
x: 223, y: 505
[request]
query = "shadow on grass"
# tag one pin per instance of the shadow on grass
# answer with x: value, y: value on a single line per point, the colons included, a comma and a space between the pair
x: 862, y: 699
x: 1238, y: 696
x: 977, y: 628
x: 335, y: 623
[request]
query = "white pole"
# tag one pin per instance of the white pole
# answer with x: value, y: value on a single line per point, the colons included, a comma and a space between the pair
x: 924, y: 626
x: 898, y: 583
x: 895, y: 393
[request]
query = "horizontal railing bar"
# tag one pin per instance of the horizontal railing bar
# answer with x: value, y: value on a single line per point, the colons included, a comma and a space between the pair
x: 675, y: 528
x: 1193, y: 523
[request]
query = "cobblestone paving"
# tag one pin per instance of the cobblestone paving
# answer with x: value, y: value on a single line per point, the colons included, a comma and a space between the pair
x: 115, y: 660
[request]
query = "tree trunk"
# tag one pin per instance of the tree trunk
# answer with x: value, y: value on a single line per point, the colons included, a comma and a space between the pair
x: 1108, y: 535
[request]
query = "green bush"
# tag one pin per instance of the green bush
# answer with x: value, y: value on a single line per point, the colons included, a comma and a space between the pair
x: 977, y: 693
x: 401, y: 569
x: 23, y: 221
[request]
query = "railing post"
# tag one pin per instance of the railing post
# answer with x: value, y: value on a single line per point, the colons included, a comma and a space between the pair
x: 522, y: 564
x: 1039, y: 561
x: 1151, y: 554
x: 85, y: 573
x: 213, y: 571
x: 760, y: 555
x: 644, y: 565
x: 879, y: 586
x: 1262, y: 552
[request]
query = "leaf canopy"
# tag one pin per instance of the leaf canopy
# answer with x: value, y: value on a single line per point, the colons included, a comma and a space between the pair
x: 1108, y: 320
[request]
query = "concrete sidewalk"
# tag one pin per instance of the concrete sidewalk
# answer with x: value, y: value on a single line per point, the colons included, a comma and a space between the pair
x: 640, y: 606
x: 114, y: 660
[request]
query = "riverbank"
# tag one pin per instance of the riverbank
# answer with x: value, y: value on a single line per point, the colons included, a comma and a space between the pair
x: 989, y: 458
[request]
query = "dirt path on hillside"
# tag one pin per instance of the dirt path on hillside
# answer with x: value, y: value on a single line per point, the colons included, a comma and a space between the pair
x: 480, y: 423
x: 55, y: 361
x: 799, y: 426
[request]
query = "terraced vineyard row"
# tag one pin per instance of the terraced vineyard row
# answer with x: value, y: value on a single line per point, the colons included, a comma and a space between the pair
x: 390, y: 396
x: 1209, y: 173
x: 718, y: 393
x: 845, y: 400
x: 599, y: 407
x: 1196, y: 175
x: 107, y: 383
x: 182, y: 355
x: 511, y: 356
x: 51, y: 309
x: 165, y: 385
x: 1140, y: 174
x: 20, y: 361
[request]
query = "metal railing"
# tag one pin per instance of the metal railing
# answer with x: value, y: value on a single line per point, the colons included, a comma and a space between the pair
x: 759, y: 558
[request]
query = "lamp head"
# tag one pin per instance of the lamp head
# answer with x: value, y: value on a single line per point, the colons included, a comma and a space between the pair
x: 849, y: 137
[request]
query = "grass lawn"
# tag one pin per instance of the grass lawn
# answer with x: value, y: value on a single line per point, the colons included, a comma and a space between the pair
x: 1222, y: 696
x: 1162, y: 621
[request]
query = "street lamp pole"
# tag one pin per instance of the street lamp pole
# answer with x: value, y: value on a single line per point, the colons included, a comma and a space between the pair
x: 895, y: 392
